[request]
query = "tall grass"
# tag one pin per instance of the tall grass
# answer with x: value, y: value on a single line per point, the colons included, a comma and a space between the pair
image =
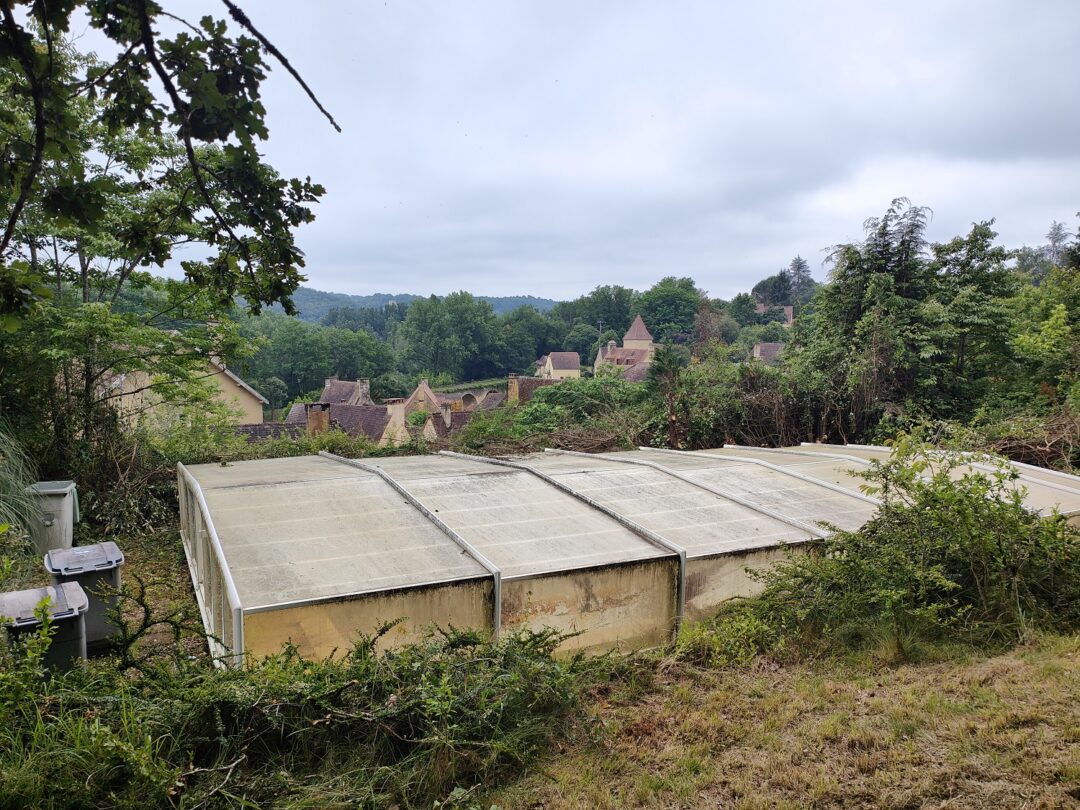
x: 17, y: 472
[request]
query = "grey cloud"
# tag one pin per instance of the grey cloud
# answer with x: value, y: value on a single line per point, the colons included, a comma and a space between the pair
x: 549, y: 147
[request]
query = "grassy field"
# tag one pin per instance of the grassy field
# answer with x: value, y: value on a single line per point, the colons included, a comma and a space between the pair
x: 983, y: 732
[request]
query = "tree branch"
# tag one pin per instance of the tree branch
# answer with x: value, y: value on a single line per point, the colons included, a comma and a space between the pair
x: 242, y: 18
x: 26, y: 61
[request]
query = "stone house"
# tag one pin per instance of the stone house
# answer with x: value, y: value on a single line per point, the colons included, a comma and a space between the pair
x: 132, y: 394
x: 633, y: 357
x: 789, y: 313
x: 767, y: 353
x: 560, y: 366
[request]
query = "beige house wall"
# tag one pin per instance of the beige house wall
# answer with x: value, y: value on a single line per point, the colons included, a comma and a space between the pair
x: 639, y: 344
x: 136, y: 397
x: 318, y: 630
x: 236, y: 397
x: 552, y: 373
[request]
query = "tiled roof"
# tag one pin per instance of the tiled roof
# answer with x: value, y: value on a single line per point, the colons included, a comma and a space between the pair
x: 296, y: 415
x: 268, y: 430
x: 637, y: 331
x: 346, y: 392
x: 458, y: 420
x: 637, y: 372
x: 492, y: 399
x: 565, y: 360
x: 361, y: 420
x: 767, y: 352
x: 625, y: 357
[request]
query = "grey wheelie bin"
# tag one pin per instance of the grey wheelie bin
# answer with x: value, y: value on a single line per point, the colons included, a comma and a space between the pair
x: 97, y: 569
x: 67, y: 608
x: 57, y: 513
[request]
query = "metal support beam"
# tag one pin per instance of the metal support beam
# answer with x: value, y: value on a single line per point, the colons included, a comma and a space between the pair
x: 646, y: 534
x: 466, y: 546
x: 783, y: 470
x: 232, y: 597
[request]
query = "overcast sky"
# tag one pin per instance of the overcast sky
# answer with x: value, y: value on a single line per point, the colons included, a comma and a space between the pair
x: 546, y: 147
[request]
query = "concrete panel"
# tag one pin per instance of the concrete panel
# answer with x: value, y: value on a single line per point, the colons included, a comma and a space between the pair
x: 320, y: 629
x: 710, y: 581
x: 627, y: 607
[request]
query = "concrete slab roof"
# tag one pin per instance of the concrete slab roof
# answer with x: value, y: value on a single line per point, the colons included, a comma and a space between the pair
x: 525, y: 526
x: 295, y: 530
x: 342, y: 532
x: 1045, y: 490
x: 701, y: 522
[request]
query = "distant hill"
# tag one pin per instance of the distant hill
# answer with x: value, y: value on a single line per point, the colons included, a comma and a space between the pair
x: 314, y: 304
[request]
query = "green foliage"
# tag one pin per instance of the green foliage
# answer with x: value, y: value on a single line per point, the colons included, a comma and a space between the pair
x: 366, y: 728
x: 668, y: 308
x: 68, y: 167
x: 952, y: 555
x: 16, y: 474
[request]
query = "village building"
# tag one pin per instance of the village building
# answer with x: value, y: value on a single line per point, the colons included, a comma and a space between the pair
x: 132, y: 394
x: 767, y: 353
x: 519, y: 390
x: 633, y: 357
x: 559, y: 366
x: 789, y: 313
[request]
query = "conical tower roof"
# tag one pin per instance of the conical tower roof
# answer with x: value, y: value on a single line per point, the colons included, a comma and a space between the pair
x: 637, y: 331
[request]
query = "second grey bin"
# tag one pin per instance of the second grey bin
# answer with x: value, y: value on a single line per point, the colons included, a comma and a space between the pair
x: 57, y: 507
x: 67, y: 608
x: 92, y: 567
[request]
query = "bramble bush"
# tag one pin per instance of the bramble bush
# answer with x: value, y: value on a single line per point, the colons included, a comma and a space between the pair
x: 952, y: 555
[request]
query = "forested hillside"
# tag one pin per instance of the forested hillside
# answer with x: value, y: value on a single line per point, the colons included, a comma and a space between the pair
x: 314, y: 305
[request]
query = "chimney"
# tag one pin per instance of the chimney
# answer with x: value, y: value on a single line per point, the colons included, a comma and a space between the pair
x: 512, y: 390
x: 317, y: 417
x: 446, y: 414
x: 364, y: 392
x: 610, y: 345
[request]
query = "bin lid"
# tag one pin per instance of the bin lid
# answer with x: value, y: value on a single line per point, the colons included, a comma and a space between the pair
x: 51, y: 488
x: 65, y: 600
x: 81, y: 559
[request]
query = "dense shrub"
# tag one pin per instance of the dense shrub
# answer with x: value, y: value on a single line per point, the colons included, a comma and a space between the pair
x: 952, y: 555
x: 365, y: 729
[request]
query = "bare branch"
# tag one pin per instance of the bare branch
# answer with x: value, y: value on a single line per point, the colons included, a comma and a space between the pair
x: 242, y: 18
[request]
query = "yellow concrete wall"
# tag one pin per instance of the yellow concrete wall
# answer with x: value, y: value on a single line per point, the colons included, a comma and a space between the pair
x: 626, y: 607
x: 317, y: 630
x: 713, y: 580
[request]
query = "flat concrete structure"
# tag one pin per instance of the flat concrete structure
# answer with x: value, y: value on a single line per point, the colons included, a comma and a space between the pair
x: 616, y: 548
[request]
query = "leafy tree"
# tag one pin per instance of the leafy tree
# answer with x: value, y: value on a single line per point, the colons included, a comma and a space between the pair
x: 774, y: 291
x: 665, y: 376
x: 276, y: 393
x: 743, y: 309
x: 668, y: 308
x: 523, y: 336
x: 583, y: 339
x: 1057, y: 237
x: 207, y: 92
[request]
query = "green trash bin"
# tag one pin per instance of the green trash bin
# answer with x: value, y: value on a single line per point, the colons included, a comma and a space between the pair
x: 67, y: 609
x: 97, y: 569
